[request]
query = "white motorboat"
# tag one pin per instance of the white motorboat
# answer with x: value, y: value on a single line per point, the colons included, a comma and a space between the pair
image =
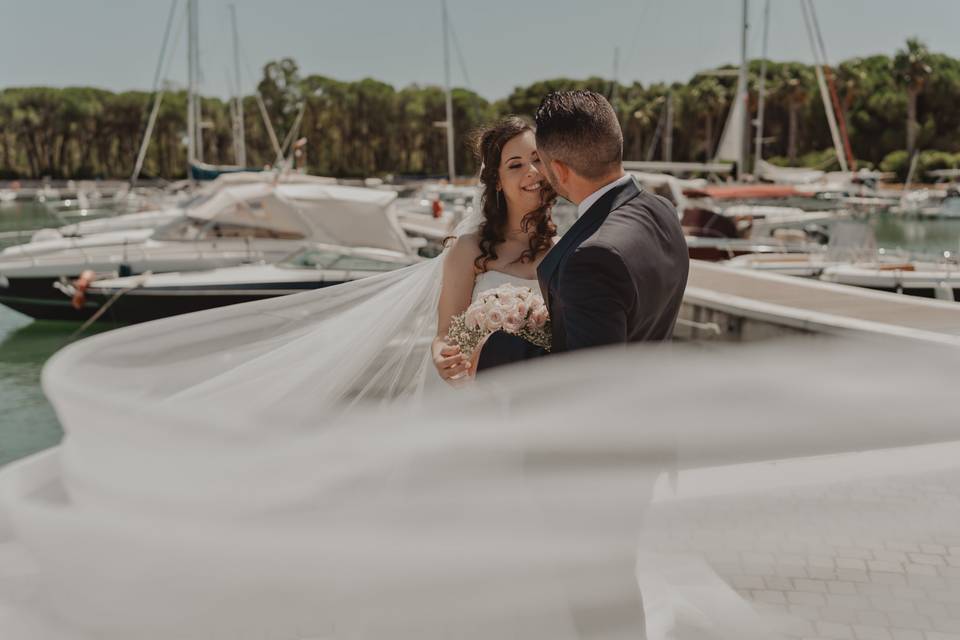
x: 154, y: 218
x: 940, y: 280
x: 242, y: 224
x: 152, y: 296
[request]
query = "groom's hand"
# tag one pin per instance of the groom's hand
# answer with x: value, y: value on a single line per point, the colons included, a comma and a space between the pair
x: 449, y: 361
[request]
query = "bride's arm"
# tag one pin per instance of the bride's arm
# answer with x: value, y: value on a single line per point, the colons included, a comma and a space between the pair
x: 459, y: 275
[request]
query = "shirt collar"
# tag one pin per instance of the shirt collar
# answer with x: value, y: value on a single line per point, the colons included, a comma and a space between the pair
x: 591, y: 199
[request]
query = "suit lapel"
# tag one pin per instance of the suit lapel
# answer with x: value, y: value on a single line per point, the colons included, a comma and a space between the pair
x: 585, y: 225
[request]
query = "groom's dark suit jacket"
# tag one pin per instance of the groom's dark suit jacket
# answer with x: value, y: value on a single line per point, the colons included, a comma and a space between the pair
x: 618, y: 274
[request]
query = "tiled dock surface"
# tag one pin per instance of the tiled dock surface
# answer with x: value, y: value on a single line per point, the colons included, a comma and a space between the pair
x: 874, y: 560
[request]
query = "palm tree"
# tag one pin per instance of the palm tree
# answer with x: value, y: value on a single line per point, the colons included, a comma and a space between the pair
x: 911, y: 68
x: 851, y: 77
x: 791, y: 88
x: 708, y: 98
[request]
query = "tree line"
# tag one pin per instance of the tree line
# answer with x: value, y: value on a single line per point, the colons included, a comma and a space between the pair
x: 893, y: 106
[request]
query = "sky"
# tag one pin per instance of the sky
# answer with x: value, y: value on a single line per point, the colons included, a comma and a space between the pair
x: 115, y: 44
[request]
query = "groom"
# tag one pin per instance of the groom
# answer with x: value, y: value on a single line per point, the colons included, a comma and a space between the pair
x: 618, y: 275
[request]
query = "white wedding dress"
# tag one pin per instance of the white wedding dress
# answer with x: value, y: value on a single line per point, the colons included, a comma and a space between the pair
x: 493, y: 279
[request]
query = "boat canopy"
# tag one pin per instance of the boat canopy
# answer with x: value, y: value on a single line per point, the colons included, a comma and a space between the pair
x: 246, y: 177
x: 742, y: 191
x: 331, y: 214
x: 788, y: 175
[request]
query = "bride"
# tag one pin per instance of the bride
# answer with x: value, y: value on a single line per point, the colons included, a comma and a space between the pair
x: 515, y: 233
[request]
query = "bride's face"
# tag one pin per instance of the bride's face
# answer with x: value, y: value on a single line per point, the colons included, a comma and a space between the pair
x: 520, y: 178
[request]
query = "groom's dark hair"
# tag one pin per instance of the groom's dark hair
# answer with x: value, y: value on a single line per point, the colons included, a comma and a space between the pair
x: 580, y: 129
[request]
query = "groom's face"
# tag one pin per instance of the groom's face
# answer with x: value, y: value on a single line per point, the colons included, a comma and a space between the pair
x: 548, y: 170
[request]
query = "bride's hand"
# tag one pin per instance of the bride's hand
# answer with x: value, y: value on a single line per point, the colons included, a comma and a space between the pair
x: 450, y: 363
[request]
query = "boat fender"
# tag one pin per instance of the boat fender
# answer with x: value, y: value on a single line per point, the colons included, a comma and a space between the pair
x: 124, y: 270
x: 744, y: 223
x: 80, y: 286
x: 436, y: 208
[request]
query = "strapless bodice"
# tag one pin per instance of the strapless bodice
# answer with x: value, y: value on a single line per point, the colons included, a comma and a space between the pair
x: 493, y: 279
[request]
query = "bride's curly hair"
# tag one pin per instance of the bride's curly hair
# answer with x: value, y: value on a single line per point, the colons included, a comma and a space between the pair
x: 489, y: 144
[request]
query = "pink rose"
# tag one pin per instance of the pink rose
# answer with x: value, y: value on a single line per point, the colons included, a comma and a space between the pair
x: 522, y: 309
x: 474, y: 317
x: 512, y: 322
x: 539, y: 317
x: 494, y: 320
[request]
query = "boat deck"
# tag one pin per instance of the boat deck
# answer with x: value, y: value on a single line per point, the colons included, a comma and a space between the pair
x: 812, y: 306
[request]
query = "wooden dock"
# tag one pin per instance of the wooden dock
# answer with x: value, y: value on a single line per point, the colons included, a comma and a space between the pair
x: 723, y: 303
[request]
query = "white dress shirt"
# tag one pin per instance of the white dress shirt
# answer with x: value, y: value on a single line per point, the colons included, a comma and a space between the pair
x: 589, y: 201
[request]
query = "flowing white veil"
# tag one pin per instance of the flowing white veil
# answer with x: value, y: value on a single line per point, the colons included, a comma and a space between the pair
x: 302, y: 354
x: 487, y: 512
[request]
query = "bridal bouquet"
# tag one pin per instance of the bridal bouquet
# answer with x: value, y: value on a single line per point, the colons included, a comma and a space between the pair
x: 514, y: 310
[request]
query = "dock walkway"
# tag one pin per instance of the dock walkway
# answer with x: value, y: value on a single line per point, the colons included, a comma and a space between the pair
x: 739, y: 304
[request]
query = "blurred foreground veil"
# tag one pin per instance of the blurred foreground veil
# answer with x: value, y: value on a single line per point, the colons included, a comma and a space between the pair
x: 511, y: 509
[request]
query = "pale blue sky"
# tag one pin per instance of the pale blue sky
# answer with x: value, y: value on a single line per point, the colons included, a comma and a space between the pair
x: 115, y: 43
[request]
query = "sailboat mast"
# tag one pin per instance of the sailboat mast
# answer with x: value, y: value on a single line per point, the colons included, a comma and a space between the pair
x: 191, y: 85
x: 197, y: 99
x: 744, y: 150
x: 831, y: 84
x: 239, y: 135
x: 818, y: 65
x: 451, y: 170
x: 761, y: 101
x: 668, y: 130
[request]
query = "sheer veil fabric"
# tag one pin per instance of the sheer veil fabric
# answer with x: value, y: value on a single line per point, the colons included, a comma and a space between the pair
x: 488, y: 512
x: 297, y: 355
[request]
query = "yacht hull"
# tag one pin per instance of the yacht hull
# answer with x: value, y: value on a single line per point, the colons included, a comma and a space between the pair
x: 145, y: 304
x: 39, y: 299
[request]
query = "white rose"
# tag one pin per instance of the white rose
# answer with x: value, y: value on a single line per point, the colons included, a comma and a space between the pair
x: 509, y: 305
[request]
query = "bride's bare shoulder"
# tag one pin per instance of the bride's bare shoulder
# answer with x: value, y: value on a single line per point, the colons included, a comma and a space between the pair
x: 465, y: 250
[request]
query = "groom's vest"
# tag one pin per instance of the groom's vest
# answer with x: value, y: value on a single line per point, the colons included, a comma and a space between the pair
x: 618, y: 274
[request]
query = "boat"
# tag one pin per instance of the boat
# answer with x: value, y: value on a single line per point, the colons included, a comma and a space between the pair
x: 938, y: 280
x: 68, y: 236
x: 151, y: 296
x: 242, y: 224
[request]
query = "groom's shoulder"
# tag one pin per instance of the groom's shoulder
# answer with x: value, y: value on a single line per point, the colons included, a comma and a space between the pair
x: 643, y: 209
x: 649, y: 201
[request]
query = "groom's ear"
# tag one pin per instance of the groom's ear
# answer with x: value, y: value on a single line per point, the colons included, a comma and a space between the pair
x: 560, y: 170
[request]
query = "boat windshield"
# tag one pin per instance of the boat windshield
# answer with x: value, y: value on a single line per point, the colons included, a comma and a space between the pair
x: 193, y: 229
x: 341, y: 261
